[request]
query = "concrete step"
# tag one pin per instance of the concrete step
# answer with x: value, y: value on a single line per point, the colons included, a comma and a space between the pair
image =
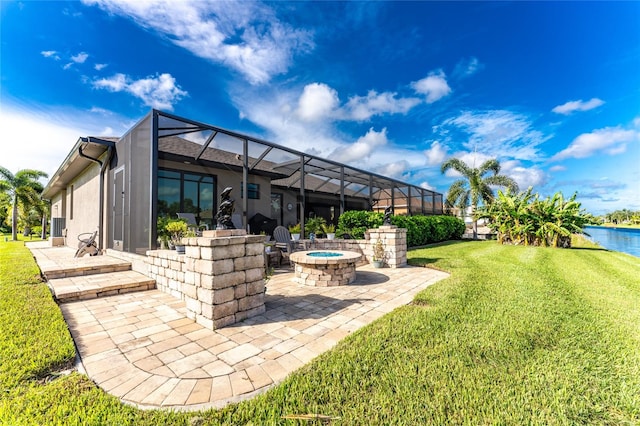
x: 85, y: 266
x: 99, y: 285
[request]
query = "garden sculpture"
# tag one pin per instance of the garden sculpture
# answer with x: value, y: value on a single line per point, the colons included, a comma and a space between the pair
x: 388, y: 212
x: 223, y: 216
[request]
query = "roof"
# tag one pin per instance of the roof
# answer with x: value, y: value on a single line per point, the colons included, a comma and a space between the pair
x: 76, y: 162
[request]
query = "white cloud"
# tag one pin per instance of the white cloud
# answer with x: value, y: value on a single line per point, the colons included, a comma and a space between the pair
x: 159, y: 92
x: 99, y: 67
x: 67, y: 66
x: 580, y: 105
x: 427, y: 185
x: 524, y: 176
x: 50, y: 54
x: 557, y: 168
x: 80, y: 58
x: 609, y: 140
x: 42, y: 138
x: 395, y: 169
x: 115, y: 83
x: 246, y: 37
x: 434, y: 86
x: 498, y: 134
x: 362, y: 148
x: 467, y: 67
x: 318, y: 101
x: 436, y: 154
x: 362, y: 108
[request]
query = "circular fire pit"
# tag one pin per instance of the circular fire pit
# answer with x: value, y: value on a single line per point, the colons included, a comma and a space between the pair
x: 325, y: 268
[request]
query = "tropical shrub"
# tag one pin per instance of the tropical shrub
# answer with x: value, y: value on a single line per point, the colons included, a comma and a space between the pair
x: 421, y: 230
x: 354, y: 223
x: 526, y: 219
x: 315, y: 225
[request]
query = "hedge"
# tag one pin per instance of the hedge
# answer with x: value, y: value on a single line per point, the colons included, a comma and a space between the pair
x: 421, y: 230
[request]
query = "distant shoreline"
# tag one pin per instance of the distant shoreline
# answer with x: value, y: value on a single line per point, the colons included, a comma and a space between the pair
x: 612, y: 225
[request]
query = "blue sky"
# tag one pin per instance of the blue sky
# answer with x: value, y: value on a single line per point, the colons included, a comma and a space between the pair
x: 550, y: 89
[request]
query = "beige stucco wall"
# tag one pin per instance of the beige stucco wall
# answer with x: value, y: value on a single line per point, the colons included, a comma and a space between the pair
x: 59, y: 204
x: 82, y: 201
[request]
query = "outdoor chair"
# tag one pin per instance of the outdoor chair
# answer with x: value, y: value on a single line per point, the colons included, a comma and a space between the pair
x: 284, y: 243
x: 190, y: 218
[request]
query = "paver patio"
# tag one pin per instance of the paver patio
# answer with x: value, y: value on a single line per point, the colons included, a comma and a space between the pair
x: 142, y: 348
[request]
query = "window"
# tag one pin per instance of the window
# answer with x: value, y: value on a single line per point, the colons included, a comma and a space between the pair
x: 186, y: 192
x: 253, y: 189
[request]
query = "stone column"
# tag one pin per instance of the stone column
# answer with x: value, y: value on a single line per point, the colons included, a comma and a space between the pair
x: 394, y: 240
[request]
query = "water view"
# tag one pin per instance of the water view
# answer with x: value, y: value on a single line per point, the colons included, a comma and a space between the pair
x: 618, y: 239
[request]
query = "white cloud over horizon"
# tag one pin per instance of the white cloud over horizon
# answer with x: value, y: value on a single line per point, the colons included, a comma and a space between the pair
x: 362, y: 148
x: 609, y: 140
x: 249, y: 39
x: 580, y: 105
x: 160, y: 91
x: 498, y: 134
x: 50, y: 136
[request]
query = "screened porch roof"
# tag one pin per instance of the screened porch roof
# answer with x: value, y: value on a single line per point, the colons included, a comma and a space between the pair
x: 287, y: 167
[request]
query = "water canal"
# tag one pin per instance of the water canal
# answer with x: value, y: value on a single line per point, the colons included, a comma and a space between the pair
x: 625, y: 240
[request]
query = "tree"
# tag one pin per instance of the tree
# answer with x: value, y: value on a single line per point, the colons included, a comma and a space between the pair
x: 23, y: 188
x: 475, y: 186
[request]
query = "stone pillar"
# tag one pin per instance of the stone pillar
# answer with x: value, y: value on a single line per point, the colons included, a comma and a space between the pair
x: 394, y: 240
x: 225, y: 277
x: 220, y: 277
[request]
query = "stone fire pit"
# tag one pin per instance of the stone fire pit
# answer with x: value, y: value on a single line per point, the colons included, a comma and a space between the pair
x: 325, y: 268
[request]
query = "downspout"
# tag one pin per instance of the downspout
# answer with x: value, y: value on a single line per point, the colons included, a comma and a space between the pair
x: 103, y: 168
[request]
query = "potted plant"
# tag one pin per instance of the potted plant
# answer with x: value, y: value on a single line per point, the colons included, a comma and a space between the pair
x: 330, y: 230
x: 378, y: 254
x: 163, y: 234
x: 177, y: 229
x: 294, y: 230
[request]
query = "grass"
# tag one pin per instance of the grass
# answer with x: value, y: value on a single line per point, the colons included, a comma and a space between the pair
x: 516, y: 335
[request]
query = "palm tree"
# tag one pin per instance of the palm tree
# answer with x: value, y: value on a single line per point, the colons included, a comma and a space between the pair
x: 475, y: 186
x: 24, y: 188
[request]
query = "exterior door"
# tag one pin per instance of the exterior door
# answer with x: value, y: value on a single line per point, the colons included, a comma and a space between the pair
x: 118, y: 209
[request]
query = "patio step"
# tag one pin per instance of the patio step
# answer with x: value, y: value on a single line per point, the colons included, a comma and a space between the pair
x: 99, y: 285
x: 79, y: 268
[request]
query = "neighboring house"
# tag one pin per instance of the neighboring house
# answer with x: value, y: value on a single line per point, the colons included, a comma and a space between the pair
x: 166, y: 165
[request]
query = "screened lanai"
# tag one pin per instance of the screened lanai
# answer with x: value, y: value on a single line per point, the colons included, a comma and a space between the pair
x: 165, y: 156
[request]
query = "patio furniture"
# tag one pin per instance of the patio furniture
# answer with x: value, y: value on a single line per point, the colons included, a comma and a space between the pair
x: 284, y: 243
x: 190, y: 218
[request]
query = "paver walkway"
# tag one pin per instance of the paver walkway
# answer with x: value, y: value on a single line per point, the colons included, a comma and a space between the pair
x: 142, y: 348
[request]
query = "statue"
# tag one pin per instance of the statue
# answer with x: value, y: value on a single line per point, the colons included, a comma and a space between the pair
x: 223, y: 216
x: 388, y: 212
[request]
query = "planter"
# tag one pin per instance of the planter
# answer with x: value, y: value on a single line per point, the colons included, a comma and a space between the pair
x: 295, y: 237
x: 378, y: 263
x: 180, y: 249
x: 331, y: 235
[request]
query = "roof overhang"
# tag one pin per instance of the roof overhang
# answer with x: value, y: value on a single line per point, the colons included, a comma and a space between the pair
x: 76, y: 162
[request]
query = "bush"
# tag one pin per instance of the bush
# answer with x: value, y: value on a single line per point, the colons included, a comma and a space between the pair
x: 354, y: 223
x: 421, y: 230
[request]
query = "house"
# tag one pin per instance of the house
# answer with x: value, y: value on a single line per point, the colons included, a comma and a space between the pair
x: 166, y: 164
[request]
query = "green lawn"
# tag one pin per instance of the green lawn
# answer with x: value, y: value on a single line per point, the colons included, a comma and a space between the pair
x: 516, y: 335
